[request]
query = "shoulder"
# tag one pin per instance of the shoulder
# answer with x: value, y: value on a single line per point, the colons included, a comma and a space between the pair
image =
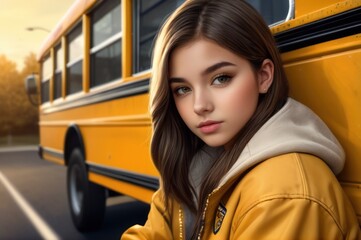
x: 295, y: 179
x: 290, y: 175
x: 294, y: 183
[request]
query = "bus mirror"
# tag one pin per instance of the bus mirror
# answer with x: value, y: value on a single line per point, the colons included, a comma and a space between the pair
x: 31, y: 89
x: 30, y: 85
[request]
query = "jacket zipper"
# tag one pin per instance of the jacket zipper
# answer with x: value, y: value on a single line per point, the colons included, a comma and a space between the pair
x: 180, y: 223
x: 204, y: 214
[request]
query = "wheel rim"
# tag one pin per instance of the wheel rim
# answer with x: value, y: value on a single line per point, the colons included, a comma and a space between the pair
x: 76, y: 189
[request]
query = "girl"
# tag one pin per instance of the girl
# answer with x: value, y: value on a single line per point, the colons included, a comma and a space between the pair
x: 238, y: 159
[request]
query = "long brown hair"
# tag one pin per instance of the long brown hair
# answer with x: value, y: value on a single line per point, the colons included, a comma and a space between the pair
x: 236, y: 26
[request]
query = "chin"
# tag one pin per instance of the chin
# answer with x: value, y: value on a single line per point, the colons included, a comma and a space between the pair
x: 226, y: 143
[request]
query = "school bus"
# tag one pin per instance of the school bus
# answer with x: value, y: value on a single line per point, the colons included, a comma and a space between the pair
x: 94, y: 82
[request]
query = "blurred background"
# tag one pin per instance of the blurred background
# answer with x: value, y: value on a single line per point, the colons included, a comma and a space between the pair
x: 23, y: 27
x: 33, y: 197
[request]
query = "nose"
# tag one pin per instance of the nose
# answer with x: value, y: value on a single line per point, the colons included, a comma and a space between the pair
x: 202, y: 103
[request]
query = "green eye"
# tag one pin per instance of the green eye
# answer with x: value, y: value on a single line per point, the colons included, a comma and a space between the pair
x: 181, y: 90
x: 221, y: 79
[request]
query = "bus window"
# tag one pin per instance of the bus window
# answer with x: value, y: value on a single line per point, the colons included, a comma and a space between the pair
x: 75, y: 60
x: 105, y: 43
x: 58, y: 71
x: 148, y: 17
x: 45, y: 79
x: 275, y: 11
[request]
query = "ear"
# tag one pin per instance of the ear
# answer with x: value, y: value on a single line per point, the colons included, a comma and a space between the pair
x: 265, y: 76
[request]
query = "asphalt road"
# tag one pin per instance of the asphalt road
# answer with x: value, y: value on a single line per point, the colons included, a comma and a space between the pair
x: 33, y: 200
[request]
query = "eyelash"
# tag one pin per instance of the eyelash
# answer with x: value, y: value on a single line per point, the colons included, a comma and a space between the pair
x: 217, y: 77
x: 177, y: 89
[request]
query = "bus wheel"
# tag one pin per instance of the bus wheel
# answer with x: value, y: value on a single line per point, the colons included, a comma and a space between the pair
x: 86, y: 199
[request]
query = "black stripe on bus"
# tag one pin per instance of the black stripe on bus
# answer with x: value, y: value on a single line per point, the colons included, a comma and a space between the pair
x: 141, y: 180
x: 50, y: 152
x: 337, y: 26
x: 123, y: 91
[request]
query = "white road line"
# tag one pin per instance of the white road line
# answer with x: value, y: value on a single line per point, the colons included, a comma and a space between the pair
x: 44, y: 230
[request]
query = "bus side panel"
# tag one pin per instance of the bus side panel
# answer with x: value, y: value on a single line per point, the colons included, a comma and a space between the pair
x: 128, y: 189
x: 116, y: 135
x: 327, y: 78
x: 52, y: 142
x: 120, y: 146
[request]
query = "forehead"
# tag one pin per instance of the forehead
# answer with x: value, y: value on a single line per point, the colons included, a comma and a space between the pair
x: 198, y: 55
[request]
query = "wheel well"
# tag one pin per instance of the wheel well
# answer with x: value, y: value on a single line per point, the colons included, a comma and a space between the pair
x: 73, y: 139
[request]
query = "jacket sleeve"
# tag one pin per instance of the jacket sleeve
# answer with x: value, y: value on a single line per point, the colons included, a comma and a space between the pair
x: 289, y: 218
x: 158, y: 225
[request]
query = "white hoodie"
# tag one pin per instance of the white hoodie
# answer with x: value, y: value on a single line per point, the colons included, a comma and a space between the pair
x: 294, y: 128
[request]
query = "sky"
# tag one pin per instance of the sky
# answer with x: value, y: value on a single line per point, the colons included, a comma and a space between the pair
x: 17, y: 15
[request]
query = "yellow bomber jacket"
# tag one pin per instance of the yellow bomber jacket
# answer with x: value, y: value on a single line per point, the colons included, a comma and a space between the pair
x: 282, y: 186
x: 291, y: 196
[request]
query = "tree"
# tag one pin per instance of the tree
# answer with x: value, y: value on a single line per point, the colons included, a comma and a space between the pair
x: 8, y: 75
x: 30, y: 65
x: 17, y: 114
x: 27, y: 120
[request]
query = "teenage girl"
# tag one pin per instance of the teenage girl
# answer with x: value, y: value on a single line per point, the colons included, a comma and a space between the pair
x: 238, y: 158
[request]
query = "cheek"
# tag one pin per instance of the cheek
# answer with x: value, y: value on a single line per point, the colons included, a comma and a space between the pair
x: 243, y: 98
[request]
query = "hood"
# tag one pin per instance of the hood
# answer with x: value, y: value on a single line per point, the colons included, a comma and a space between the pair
x: 294, y: 128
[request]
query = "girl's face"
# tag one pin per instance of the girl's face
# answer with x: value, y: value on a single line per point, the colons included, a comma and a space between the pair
x: 215, y: 91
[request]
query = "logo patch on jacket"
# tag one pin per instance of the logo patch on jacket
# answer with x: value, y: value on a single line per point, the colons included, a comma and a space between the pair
x: 218, y: 220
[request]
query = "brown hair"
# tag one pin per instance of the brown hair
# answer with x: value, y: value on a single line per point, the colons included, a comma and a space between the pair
x: 236, y: 26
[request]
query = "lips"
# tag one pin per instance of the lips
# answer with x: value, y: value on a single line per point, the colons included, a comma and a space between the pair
x: 208, y: 127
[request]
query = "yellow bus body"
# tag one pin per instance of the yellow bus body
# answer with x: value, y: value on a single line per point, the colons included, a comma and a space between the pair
x: 324, y: 72
x: 116, y: 133
x: 327, y: 78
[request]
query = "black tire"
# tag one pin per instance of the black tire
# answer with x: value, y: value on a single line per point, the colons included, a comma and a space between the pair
x: 86, y: 200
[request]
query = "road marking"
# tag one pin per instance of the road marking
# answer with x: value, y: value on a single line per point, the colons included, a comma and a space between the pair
x: 45, y: 231
x: 111, y: 201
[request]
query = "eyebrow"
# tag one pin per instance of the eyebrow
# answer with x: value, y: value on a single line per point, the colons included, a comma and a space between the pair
x: 216, y: 66
x: 209, y: 70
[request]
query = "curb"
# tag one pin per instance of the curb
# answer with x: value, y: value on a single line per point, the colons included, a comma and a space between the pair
x: 18, y: 148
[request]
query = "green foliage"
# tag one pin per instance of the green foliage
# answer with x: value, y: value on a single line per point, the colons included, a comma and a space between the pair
x: 17, y: 115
